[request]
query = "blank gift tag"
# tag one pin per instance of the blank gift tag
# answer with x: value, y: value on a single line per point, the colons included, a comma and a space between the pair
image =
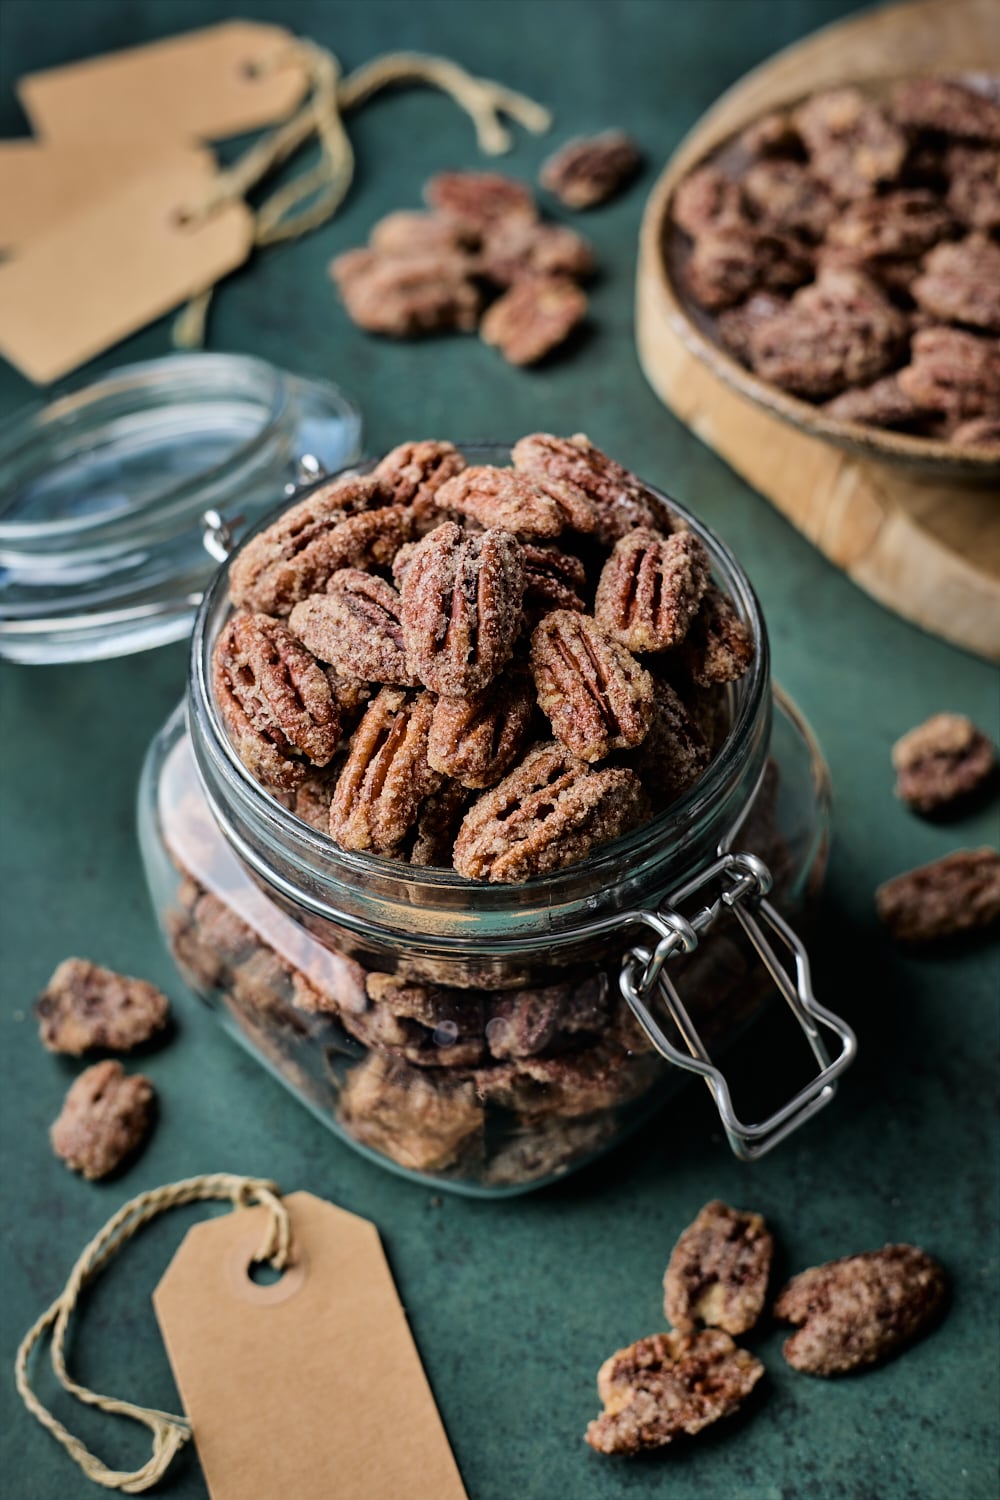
x: 202, y: 85
x: 114, y: 267
x: 311, y: 1387
x: 41, y: 184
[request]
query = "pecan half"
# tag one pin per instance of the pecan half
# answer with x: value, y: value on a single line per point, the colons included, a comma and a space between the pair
x: 707, y: 198
x: 477, y: 739
x: 274, y: 700
x: 942, y: 761
x: 502, y: 497
x: 516, y: 248
x: 861, y: 1309
x: 736, y: 324
x: 553, y: 579
x: 954, y: 372
x: 718, y: 1270
x: 734, y: 259
x: 674, y: 753
x: 527, y: 1022
x: 355, y: 627
x: 461, y: 607
x: 622, y: 501
x: 960, y: 893
x: 905, y: 222
x: 669, y: 1384
x: 974, y: 185
x: 410, y: 232
x: 437, y: 825
x: 592, y: 689
x: 84, y: 1007
x: 423, y: 1124
x: 548, y: 813
x: 535, y: 316
x: 883, y: 403
x: 591, y: 169
x: 106, y: 1117
x: 940, y: 104
x: 718, y: 647
x: 413, y: 473
x: 476, y: 200
x: 386, y: 779
x: 407, y: 296
x: 341, y: 525
x: 650, y: 588
x: 786, y: 197
x: 852, y: 143
x: 960, y: 283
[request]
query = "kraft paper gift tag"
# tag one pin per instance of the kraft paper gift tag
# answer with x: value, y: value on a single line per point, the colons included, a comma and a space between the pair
x: 112, y: 268
x: 309, y: 1388
x: 41, y: 184
x: 203, y: 85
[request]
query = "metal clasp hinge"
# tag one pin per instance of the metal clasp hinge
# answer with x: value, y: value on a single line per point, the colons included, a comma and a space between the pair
x: 744, y: 882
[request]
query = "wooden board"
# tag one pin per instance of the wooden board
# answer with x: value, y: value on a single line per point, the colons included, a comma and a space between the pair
x: 925, y: 546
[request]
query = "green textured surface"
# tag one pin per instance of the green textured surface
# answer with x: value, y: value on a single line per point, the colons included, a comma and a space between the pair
x: 514, y: 1304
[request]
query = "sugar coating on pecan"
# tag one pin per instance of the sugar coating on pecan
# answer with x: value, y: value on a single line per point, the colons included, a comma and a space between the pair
x: 589, y: 170
x: 960, y: 283
x: 410, y: 232
x: 622, y: 501
x: 650, y: 589
x: 591, y: 688
x: 477, y: 739
x: 675, y: 752
x: 731, y: 260
x: 553, y: 579
x: 942, y: 761
x: 274, y: 699
x: 423, y: 1124
x: 84, y: 1007
x: 861, y: 1309
x: 957, y: 894
x: 406, y: 296
x: 707, y: 198
x: 437, y: 825
x: 941, y: 104
x: 412, y: 473
x: 786, y: 197
x: 294, y: 556
x: 478, y: 199
x: 505, y: 498
x: 884, y: 403
x: 350, y: 694
x: 668, y: 1385
x: 974, y: 185
x: 718, y: 1270
x: 906, y: 221
x: 954, y: 372
x: 387, y: 776
x: 546, y: 814
x: 355, y: 627
x: 535, y: 316
x: 106, y: 1116
x: 852, y: 143
x: 718, y: 647
x: 461, y: 607
x: 516, y: 248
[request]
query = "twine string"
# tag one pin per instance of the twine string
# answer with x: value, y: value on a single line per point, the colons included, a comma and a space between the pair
x: 321, y: 118
x: 170, y: 1432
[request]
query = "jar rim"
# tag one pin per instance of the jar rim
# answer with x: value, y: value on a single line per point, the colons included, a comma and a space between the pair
x: 332, y: 871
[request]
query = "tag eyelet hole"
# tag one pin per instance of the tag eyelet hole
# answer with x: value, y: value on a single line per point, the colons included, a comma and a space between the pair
x: 262, y: 1273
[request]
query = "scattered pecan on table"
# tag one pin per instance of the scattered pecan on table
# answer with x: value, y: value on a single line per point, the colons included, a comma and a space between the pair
x: 105, y: 1119
x: 941, y: 762
x: 86, y: 1008
x: 718, y: 1271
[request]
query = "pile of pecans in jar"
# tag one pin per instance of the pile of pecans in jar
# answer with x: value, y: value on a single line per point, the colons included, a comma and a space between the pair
x: 495, y: 669
x: 848, y: 253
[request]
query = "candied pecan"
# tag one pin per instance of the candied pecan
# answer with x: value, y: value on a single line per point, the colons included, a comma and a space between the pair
x: 957, y: 894
x: 599, y: 1077
x: 954, y: 372
x: 731, y: 260
x: 274, y: 700
x: 477, y: 739
x: 940, y: 104
x: 650, y: 588
x: 838, y: 332
x: 884, y: 404
x: 432, y: 1005
x: 860, y: 1309
x: 718, y: 647
x: 410, y: 232
x: 437, y: 825
x: 476, y: 200
x: 942, y: 761
x: 960, y: 283
x: 552, y: 580
x: 105, y: 1118
x: 418, y: 1121
x: 905, y: 222
x: 718, y: 1270
x: 296, y: 554
x: 405, y: 296
x: 461, y: 607
x: 355, y: 627
x: 311, y: 801
x: 527, y: 1022
x: 386, y: 1031
x: 852, y: 143
x: 974, y: 185
x: 515, y: 248
x: 590, y: 687
x: 386, y: 778
x: 786, y: 197
x: 404, y: 556
x: 668, y: 1385
x: 350, y: 694
x: 591, y: 169
x: 546, y: 1150
x: 547, y: 813
x: 674, y: 753
x: 735, y: 324
x: 705, y: 199
x: 502, y: 497
x: 981, y: 432
x: 413, y: 473
x: 773, y: 134
x: 621, y: 501
x: 84, y: 1007
x: 534, y: 317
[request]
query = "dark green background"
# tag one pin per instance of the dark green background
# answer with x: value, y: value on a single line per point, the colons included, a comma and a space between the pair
x: 515, y: 1304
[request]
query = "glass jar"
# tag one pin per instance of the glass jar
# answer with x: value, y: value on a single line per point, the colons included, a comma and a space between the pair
x: 487, y: 1038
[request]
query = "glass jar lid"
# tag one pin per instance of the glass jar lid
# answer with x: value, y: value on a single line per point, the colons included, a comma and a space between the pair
x: 112, y: 496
